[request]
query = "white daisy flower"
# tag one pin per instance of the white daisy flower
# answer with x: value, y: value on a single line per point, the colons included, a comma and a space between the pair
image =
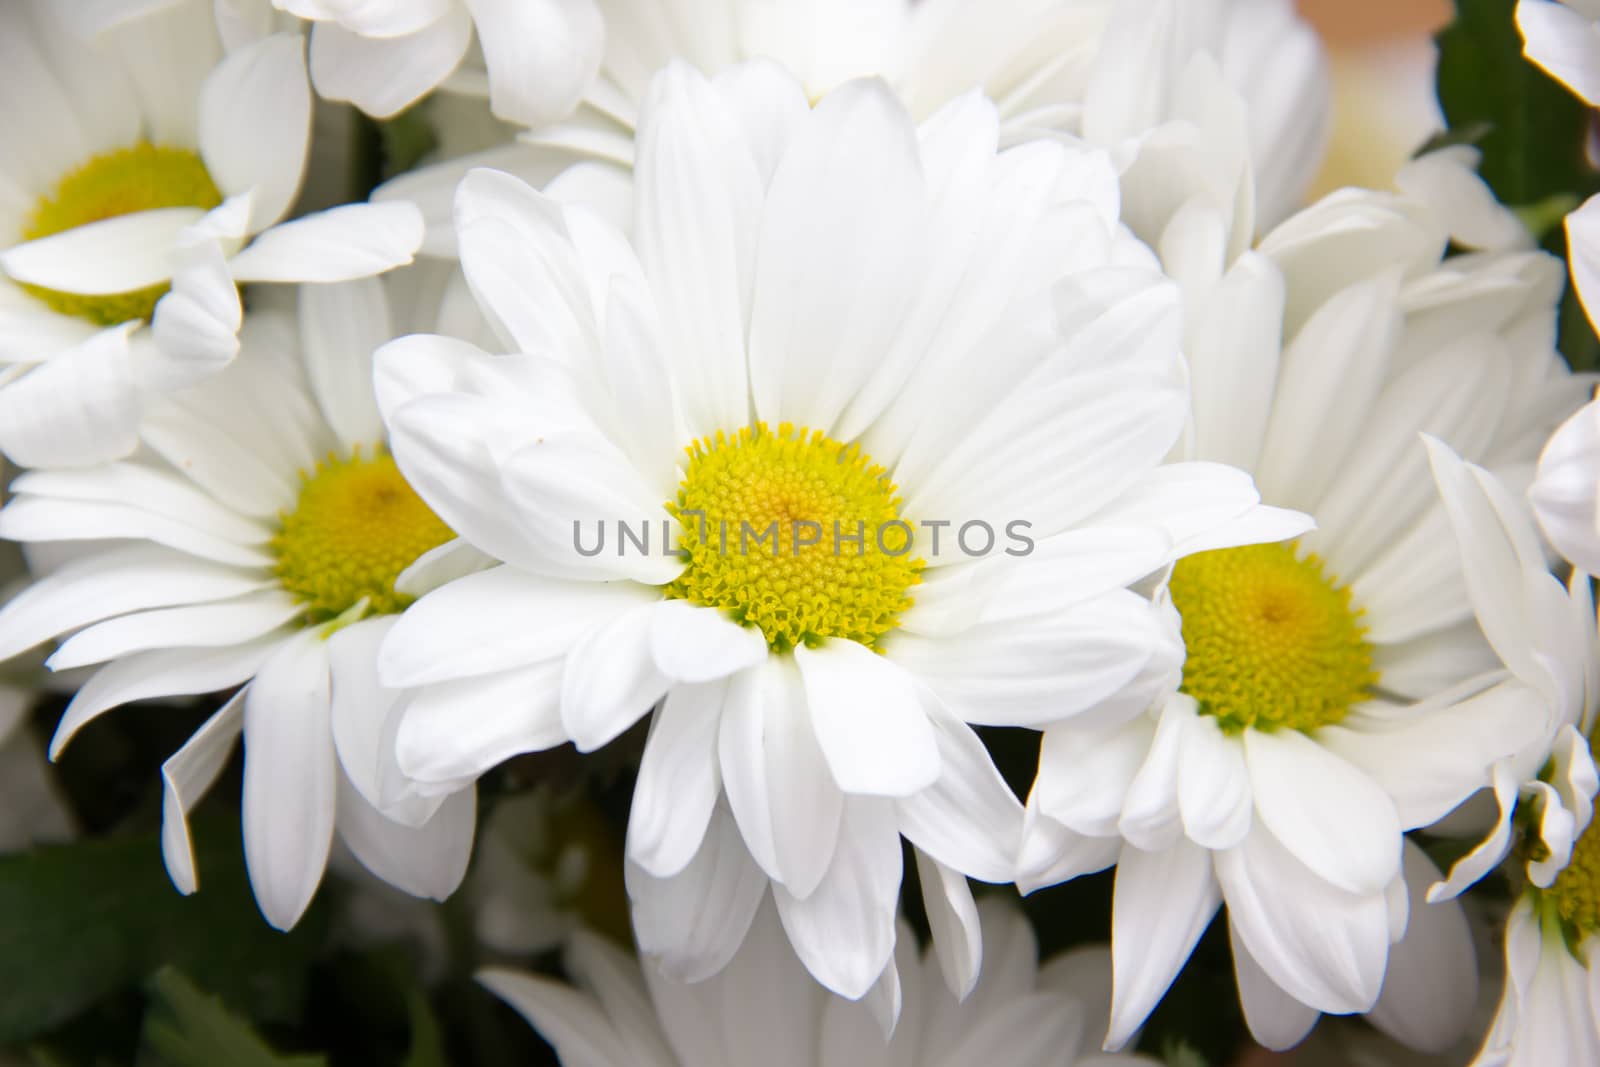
x: 147, y: 160
x: 534, y: 59
x: 1545, y: 636
x: 1550, y: 1009
x: 1281, y: 774
x: 765, y: 1009
x: 544, y: 867
x: 817, y: 300
x: 255, y: 540
x: 1109, y: 72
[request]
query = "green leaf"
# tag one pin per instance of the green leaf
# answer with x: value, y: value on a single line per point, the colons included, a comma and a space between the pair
x: 1532, y: 129
x: 79, y: 922
x: 187, y: 1028
x: 427, y: 1043
x: 1176, y: 1052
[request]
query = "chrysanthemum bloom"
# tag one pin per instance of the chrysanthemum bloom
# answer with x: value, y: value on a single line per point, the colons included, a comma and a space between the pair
x: 1546, y: 637
x: 764, y: 1008
x: 836, y: 336
x: 534, y: 58
x: 1280, y: 774
x: 147, y: 160
x: 256, y: 539
x: 1109, y: 71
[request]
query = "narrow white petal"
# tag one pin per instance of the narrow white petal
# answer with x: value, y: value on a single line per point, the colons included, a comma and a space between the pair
x: 290, y: 778
x: 458, y: 730
x: 1430, y: 989
x: 844, y: 932
x: 115, y: 255
x: 968, y: 819
x: 696, y: 644
x: 185, y: 777
x: 953, y: 923
x: 337, y: 245
x: 1162, y: 903
x: 679, y: 780
x: 341, y: 326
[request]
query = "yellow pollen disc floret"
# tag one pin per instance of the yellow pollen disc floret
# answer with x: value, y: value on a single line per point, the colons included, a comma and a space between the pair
x: 356, y: 526
x: 1271, y: 640
x: 750, y: 509
x: 141, y: 178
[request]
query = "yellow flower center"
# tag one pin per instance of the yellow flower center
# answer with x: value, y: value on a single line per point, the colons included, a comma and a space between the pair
x: 1575, y: 894
x: 356, y: 526
x: 141, y: 178
x: 1271, y: 640
x: 796, y: 534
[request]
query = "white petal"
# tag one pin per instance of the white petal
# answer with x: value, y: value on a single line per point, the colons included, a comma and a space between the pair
x: 457, y: 730
x: 79, y: 407
x: 610, y: 680
x: 340, y: 244
x: 185, y: 777
x: 255, y: 124
x: 1162, y: 903
x: 834, y: 269
x: 1563, y: 41
x: 844, y: 932
x: 968, y: 820
x: 869, y: 720
x: 290, y: 778
x: 1330, y: 815
x: 1276, y: 1019
x: 427, y: 861
x: 1214, y: 793
x: 341, y: 326
x: 1583, y: 235
x: 571, y: 1021
x: 385, y: 75
x: 679, y: 780
x: 115, y: 255
x: 699, y: 200
x: 495, y: 620
x: 695, y: 921
x: 112, y: 583
x: 167, y: 673
x: 696, y: 644
x: 196, y: 325
x: 541, y: 55
x: 1430, y: 989
x: 1323, y: 946
x: 952, y: 922
x: 228, y: 622
x: 359, y: 705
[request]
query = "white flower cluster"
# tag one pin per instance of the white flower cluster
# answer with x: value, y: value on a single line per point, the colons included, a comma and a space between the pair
x: 716, y: 267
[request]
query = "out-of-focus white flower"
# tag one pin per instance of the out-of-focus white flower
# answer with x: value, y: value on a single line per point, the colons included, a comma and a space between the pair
x: 1550, y: 1009
x: 257, y: 538
x: 765, y: 1009
x: 146, y: 160
x: 976, y: 322
x: 1114, y: 73
x: 545, y: 867
x: 1281, y: 774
